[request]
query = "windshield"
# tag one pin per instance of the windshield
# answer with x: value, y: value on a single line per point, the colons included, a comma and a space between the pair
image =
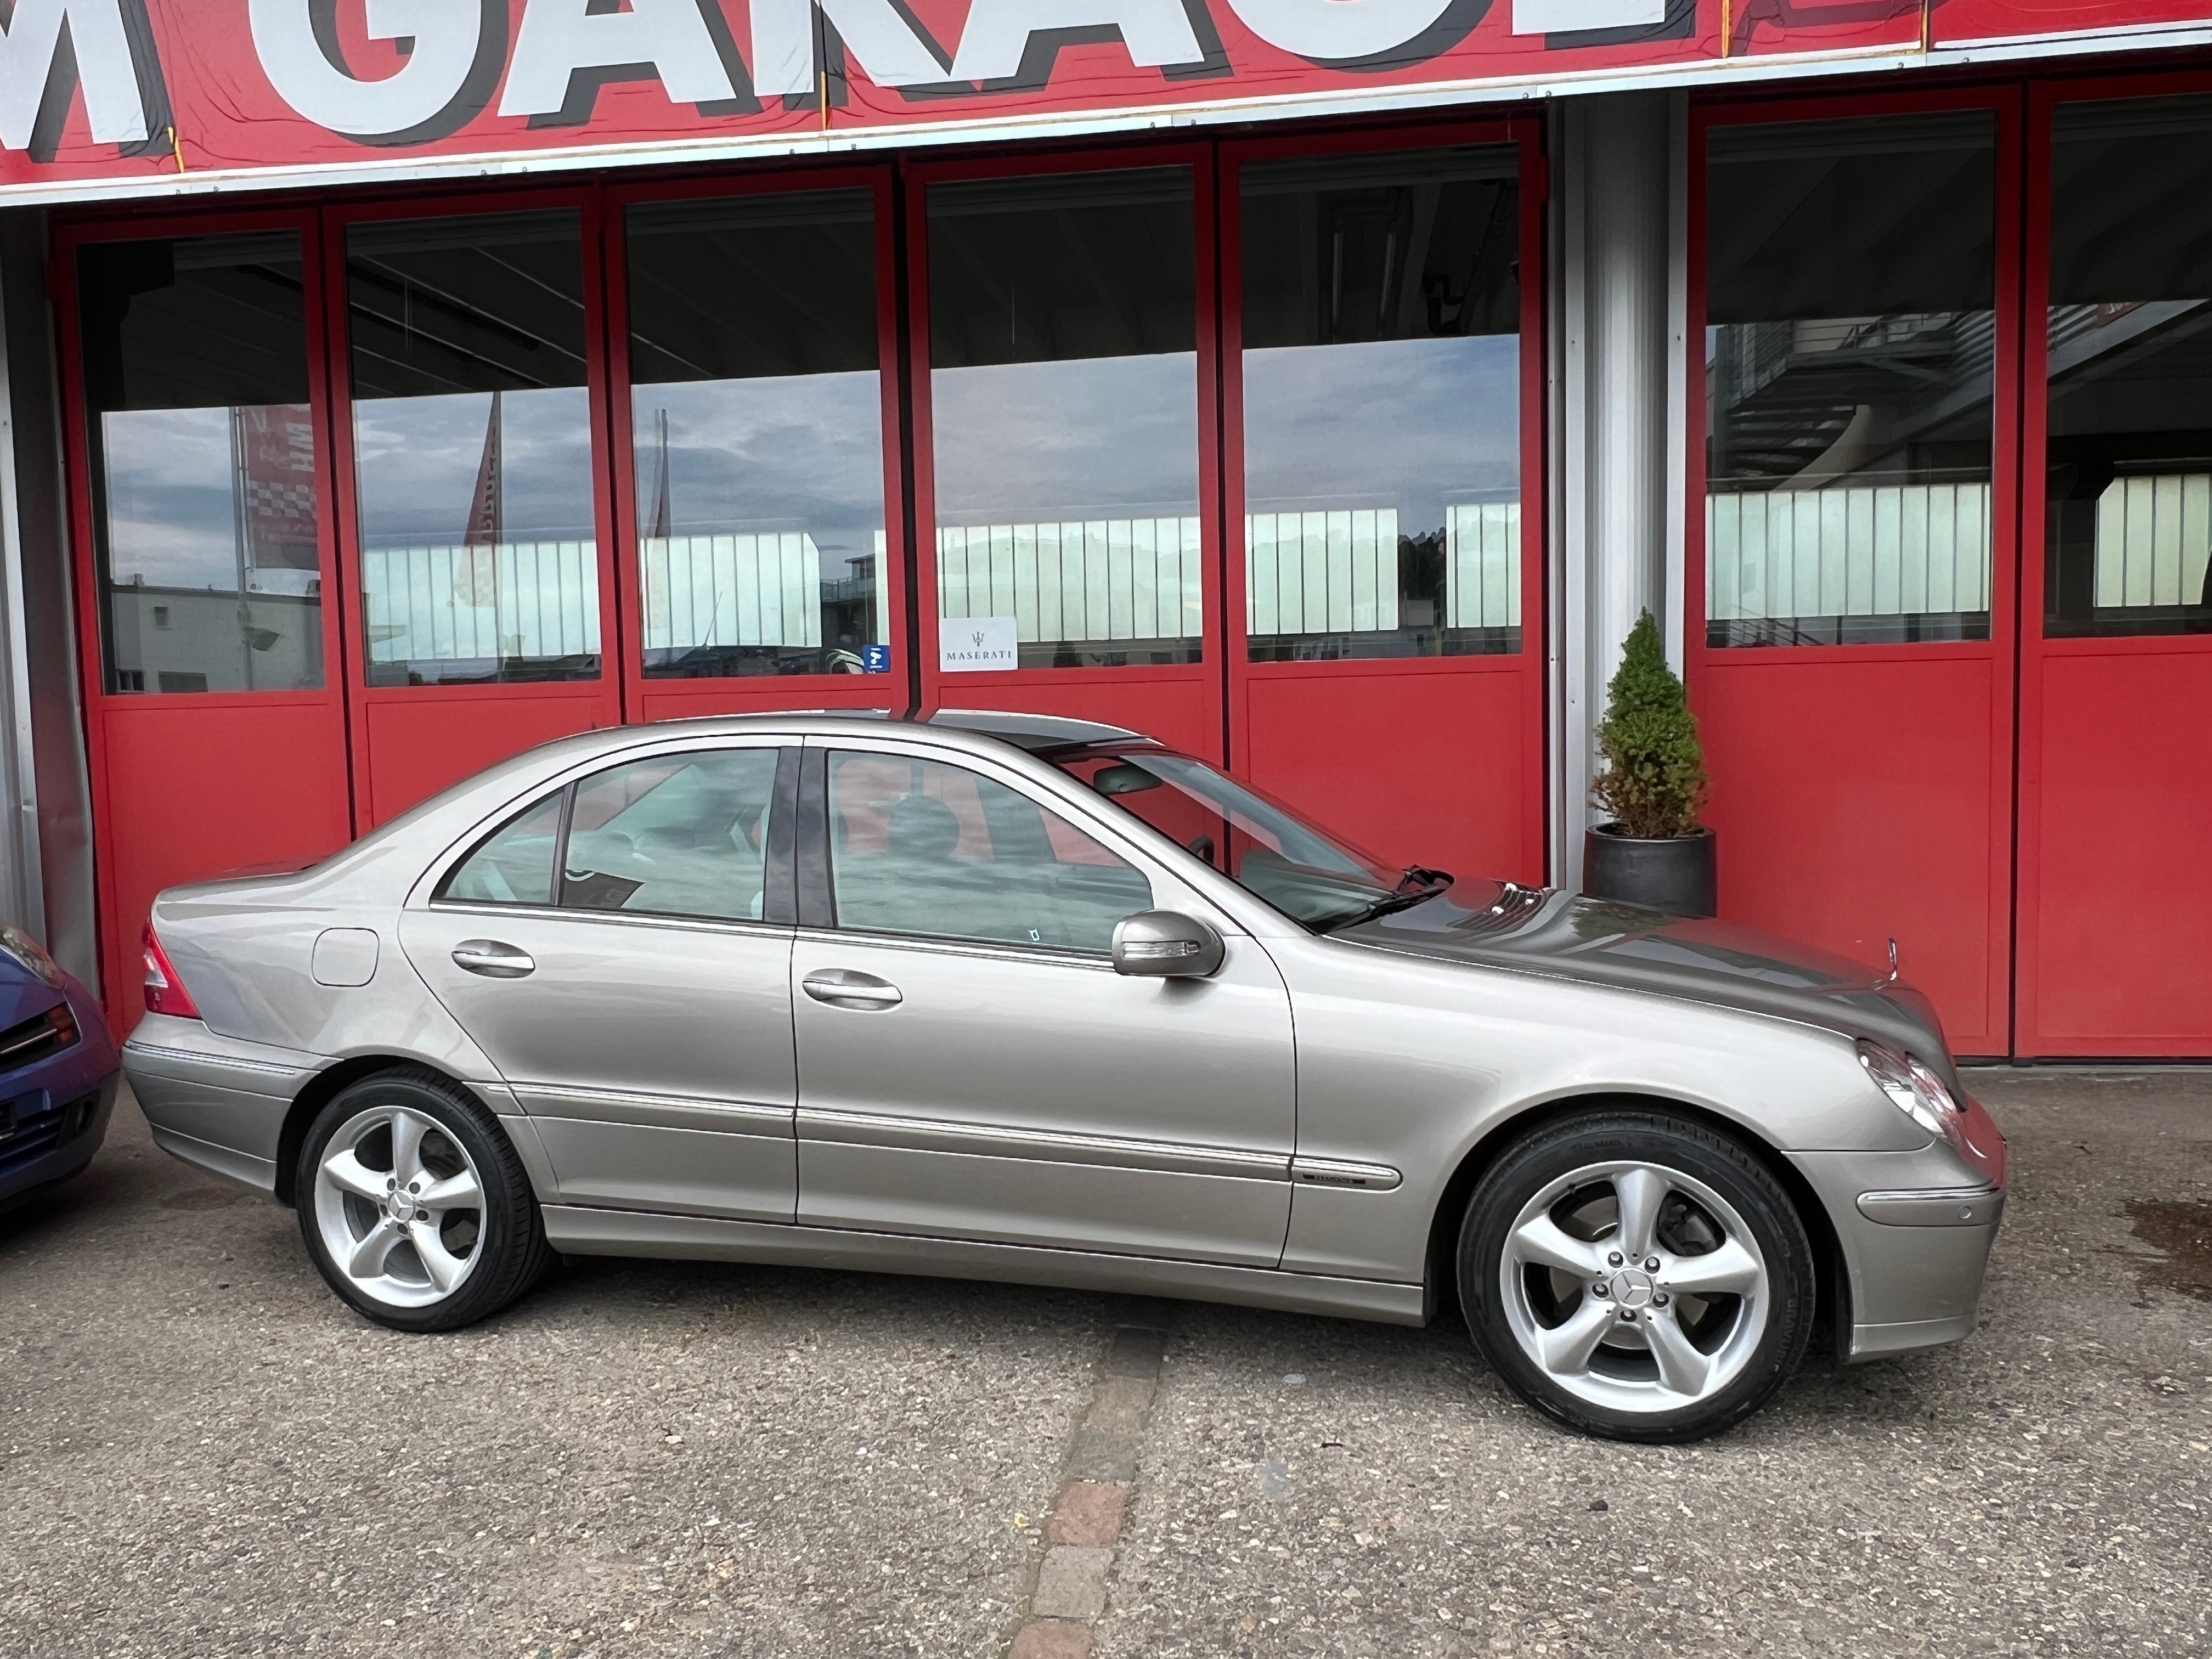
x: 1309, y: 874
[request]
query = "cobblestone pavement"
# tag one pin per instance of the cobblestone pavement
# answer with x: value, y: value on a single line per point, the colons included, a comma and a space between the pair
x: 202, y: 1453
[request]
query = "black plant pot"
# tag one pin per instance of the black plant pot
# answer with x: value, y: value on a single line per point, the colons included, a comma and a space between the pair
x: 1675, y: 874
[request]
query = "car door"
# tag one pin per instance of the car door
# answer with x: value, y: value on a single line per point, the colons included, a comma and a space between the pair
x: 970, y: 1066
x: 621, y: 950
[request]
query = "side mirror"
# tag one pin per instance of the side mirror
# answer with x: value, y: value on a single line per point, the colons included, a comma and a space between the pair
x: 1167, y: 945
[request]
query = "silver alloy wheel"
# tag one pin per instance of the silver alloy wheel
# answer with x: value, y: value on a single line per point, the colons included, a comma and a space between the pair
x: 1634, y: 1287
x: 399, y: 1206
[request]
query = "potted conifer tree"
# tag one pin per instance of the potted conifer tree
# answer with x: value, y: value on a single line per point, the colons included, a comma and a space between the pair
x: 1653, y: 852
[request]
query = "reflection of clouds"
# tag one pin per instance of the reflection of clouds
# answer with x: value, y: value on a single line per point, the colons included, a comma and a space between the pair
x: 1403, y: 422
x: 172, y: 520
x: 798, y: 453
x: 418, y: 459
x: 1024, y: 442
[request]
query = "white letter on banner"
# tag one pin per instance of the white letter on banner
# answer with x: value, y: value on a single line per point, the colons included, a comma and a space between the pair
x: 877, y: 34
x: 446, y: 32
x: 28, y: 44
x: 559, y: 37
x: 1338, y: 31
x: 1564, y: 16
x: 1156, y: 31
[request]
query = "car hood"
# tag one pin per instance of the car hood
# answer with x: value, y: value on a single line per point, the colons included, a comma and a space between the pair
x: 1600, y: 942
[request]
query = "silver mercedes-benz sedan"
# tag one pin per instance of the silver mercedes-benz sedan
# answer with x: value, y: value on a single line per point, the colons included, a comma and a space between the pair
x: 1024, y: 998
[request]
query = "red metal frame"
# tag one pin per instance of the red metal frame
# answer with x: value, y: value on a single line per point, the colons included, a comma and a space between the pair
x: 650, y: 699
x: 1841, y: 746
x: 148, y: 822
x: 1090, y: 693
x: 507, y: 717
x: 2115, y: 907
x: 1359, y: 703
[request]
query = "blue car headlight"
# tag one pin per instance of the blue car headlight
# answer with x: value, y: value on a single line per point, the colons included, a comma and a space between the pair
x: 27, y: 952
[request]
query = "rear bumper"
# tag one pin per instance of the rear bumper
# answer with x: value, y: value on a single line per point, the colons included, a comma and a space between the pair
x: 215, y: 1102
x: 1916, y: 1230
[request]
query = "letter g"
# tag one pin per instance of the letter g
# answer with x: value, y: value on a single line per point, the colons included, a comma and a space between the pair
x: 447, y: 34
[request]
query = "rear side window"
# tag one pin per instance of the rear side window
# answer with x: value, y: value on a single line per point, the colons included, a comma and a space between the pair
x: 514, y: 864
x: 677, y: 835
x: 672, y: 835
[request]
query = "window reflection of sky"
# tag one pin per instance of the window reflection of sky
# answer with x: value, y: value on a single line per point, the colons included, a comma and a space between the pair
x: 1026, y: 443
x: 789, y: 453
x: 1413, y: 424
x: 172, y: 511
x: 418, y: 459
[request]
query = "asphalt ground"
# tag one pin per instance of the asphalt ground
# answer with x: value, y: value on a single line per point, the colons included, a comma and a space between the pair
x: 202, y: 1452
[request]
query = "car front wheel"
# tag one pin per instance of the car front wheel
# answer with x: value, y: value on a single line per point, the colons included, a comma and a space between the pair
x: 1637, y: 1276
x: 414, y: 1204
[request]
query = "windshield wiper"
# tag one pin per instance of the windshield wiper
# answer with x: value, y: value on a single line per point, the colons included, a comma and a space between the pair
x: 1416, y: 885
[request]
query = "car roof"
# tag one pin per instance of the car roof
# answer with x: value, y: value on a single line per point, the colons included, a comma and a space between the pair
x: 1038, y: 733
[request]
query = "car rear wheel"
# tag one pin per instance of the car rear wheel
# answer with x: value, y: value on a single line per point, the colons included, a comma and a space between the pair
x: 414, y: 1204
x: 1637, y: 1276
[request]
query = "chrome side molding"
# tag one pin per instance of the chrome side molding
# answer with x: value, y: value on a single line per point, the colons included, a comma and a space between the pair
x: 1343, y: 1172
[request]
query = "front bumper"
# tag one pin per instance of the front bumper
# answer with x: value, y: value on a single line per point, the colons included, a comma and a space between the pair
x: 1916, y: 1230
x: 58, y: 1106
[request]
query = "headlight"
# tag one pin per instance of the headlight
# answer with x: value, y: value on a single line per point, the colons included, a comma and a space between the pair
x: 1913, y: 1088
x: 29, y: 953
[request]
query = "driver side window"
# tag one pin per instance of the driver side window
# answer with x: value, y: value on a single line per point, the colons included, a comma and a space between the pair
x: 921, y: 847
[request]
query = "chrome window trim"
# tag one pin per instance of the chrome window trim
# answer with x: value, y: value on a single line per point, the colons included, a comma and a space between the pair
x: 922, y: 1134
x: 945, y: 946
x: 663, y: 920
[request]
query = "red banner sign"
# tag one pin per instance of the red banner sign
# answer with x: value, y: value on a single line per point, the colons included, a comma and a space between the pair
x: 101, y: 97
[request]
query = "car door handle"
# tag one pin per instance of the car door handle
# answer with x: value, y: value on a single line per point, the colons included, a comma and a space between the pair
x: 494, y: 960
x: 843, y: 986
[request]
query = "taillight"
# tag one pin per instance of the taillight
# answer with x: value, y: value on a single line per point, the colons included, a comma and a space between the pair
x: 165, y: 991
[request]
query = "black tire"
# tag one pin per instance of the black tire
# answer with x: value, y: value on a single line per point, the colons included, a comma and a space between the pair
x: 1552, y: 1154
x: 508, y: 1254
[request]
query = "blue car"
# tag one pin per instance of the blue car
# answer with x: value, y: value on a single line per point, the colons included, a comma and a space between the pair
x: 58, y: 1069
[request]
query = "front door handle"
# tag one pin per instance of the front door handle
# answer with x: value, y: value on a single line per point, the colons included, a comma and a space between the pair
x: 843, y: 988
x: 493, y: 959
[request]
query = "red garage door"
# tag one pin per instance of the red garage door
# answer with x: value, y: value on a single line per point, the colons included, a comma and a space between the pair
x: 1851, y: 601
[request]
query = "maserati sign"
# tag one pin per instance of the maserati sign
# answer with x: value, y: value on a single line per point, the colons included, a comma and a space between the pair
x: 130, y: 97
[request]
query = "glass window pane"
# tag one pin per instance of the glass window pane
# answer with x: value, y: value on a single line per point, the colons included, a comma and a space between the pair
x: 1850, y: 339
x: 757, y: 401
x: 514, y: 864
x: 1064, y: 406
x: 2128, y: 526
x: 917, y: 847
x: 479, y: 559
x: 678, y: 834
x: 1381, y: 405
x: 203, y: 447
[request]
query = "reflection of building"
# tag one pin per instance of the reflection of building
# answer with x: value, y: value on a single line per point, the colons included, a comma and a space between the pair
x: 186, y: 639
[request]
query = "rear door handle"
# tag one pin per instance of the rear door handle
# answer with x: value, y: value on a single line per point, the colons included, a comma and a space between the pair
x: 843, y: 988
x: 493, y: 959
